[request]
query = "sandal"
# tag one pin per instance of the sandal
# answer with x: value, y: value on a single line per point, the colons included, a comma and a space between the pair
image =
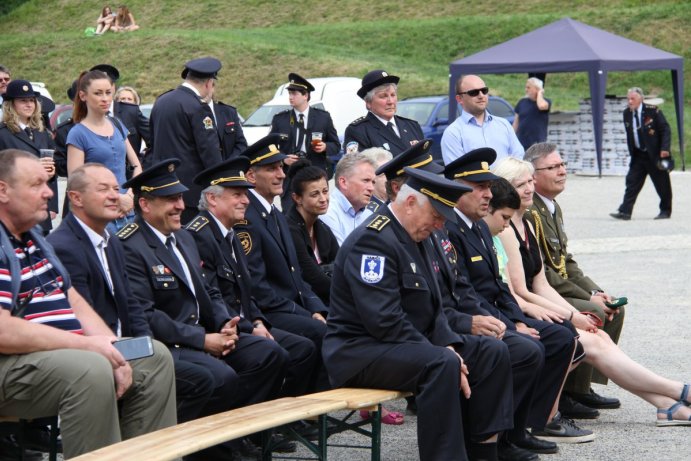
x: 683, y: 398
x: 670, y: 421
x: 393, y: 418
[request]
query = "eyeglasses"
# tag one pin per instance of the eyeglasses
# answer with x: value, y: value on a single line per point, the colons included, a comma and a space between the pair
x: 473, y: 93
x: 5, y: 79
x: 553, y: 167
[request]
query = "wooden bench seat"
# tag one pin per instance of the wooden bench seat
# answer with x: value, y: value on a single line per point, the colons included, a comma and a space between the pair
x: 359, y: 399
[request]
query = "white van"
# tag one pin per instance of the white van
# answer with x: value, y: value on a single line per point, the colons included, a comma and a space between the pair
x: 337, y: 95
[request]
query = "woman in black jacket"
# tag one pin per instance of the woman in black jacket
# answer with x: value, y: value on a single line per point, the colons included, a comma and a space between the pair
x: 22, y: 128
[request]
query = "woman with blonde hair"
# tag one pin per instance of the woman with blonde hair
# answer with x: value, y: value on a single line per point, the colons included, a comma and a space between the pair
x: 124, y: 21
x: 127, y: 94
x: 538, y: 299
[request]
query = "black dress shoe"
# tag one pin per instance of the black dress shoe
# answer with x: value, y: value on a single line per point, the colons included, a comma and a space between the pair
x: 535, y: 445
x: 507, y: 451
x: 620, y: 215
x: 663, y: 216
x: 594, y: 400
x: 575, y: 410
x: 282, y: 445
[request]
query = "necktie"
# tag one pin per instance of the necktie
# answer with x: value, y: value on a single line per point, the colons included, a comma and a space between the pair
x: 301, y: 133
x: 392, y: 128
x: 170, y: 244
x: 637, y: 129
x: 29, y: 133
x: 476, y: 230
x: 229, y: 239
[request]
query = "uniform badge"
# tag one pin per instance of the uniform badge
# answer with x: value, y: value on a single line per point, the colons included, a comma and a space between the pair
x: 372, y: 268
x: 351, y: 147
x: 208, y: 123
x: 245, y: 241
x: 475, y: 259
x: 412, y: 266
x: 160, y: 270
x: 386, y: 146
x: 651, y: 132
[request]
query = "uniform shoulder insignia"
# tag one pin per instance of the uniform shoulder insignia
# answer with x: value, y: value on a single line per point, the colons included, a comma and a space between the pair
x: 242, y: 222
x: 379, y: 222
x: 651, y: 106
x: 358, y: 121
x: 127, y: 231
x: 283, y: 112
x: 197, y: 224
x: 373, y: 206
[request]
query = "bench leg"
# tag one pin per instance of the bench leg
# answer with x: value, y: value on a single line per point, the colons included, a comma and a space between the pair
x: 266, y: 445
x: 376, y: 434
x: 323, y: 437
x: 54, y: 430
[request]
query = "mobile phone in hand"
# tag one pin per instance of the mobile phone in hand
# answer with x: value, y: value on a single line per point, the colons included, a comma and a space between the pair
x: 135, y: 348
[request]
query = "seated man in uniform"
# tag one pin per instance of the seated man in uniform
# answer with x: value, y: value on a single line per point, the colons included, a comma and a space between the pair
x: 184, y: 311
x: 56, y: 352
x: 386, y: 314
x: 222, y: 205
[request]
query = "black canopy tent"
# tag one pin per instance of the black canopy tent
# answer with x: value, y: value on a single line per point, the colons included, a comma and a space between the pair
x: 571, y: 46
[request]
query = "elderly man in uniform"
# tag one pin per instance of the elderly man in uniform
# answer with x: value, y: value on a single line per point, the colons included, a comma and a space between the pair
x: 648, y: 138
x: 387, y: 315
x: 183, y: 126
x: 562, y: 271
x: 184, y: 311
x: 477, y: 262
x: 381, y: 127
x: 475, y: 127
x: 56, y: 352
x: 223, y: 204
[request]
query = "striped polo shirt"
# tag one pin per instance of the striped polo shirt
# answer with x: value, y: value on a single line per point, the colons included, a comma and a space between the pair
x: 42, y: 297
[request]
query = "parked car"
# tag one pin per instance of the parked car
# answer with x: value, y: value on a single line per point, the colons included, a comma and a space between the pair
x: 337, y: 95
x: 61, y: 113
x: 432, y: 113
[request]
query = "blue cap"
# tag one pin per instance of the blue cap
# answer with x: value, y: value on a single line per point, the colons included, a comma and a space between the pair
x: 229, y: 173
x: 20, y: 89
x: 296, y: 82
x: 417, y: 156
x: 374, y: 79
x: 159, y: 180
x: 473, y: 166
x: 202, y: 68
x: 441, y: 192
x: 265, y: 151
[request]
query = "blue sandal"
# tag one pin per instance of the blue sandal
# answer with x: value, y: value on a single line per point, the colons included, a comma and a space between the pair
x: 670, y: 421
x: 683, y: 398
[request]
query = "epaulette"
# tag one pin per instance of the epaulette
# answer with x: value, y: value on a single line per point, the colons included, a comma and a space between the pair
x: 242, y: 222
x: 197, y: 224
x: 358, y: 121
x: 650, y: 106
x: 372, y: 206
x: 127, y: 231
x: 164, y: 93
x: 379, y: 222
x: 221, y: 103
x: 283, y: 112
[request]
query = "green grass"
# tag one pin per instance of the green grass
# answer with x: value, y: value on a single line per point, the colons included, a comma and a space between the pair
x: 259, y: 42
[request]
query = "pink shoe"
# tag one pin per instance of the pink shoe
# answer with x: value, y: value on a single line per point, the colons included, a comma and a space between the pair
x: 393, y: 418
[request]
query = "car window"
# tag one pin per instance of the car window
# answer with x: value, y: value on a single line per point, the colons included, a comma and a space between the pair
x: 443, y: 112
x: 418, y: 111
x: 264, y: 115
x: 500, y: 108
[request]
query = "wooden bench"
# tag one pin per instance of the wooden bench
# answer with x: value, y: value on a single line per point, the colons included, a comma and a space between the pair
x: 193, y: 436
x: 20, y: 425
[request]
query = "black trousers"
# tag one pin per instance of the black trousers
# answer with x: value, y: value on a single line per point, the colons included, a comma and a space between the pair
x: 303, y: 362
x: 643, y: 165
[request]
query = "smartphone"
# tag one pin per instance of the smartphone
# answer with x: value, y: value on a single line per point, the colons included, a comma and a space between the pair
x: 135, y: 348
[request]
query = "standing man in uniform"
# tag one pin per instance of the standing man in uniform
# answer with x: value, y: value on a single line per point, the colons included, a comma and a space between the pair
x: 381, y: 127
x: 648, y: 138
x: 532, y: 114
x: 388, y: 330
x: 184, y: 127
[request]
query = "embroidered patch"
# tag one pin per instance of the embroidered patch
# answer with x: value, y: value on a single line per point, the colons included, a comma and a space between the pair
x: 372, y: 268
x: 245, y: 241
x: 379, y: 222
x: 208, y: 123
x: 352, y: 147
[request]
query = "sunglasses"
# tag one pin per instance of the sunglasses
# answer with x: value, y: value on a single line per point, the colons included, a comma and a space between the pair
x: 6, y: 80
x: 473, y: 93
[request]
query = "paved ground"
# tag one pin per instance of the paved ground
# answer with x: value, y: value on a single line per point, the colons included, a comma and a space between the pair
x: 649, y: 262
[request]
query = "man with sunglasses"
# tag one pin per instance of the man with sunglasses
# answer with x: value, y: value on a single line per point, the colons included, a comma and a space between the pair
x: 475, y: 127
x: 564, y: 275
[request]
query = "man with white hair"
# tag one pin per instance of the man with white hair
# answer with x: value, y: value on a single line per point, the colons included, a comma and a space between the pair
x: 379, y: 194
x: 381, y: 127
x: 532, y: 114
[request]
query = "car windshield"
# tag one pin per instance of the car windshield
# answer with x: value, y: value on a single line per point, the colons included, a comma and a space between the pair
x: 263, y: 115
x: 418, y: 111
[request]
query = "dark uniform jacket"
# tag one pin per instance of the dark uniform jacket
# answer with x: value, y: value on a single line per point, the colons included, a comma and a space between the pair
x: 168, y: 301
x: 77, y: 254
x: 183, y: 127
x: 561, y: 270
x: 230, y: 134
x: 478, y: 264
x: 318, y: 275
x: 60, y: 158
x: 276, y: 276
x: 655, y: 135
x: 136, y: 123
x: 220, y: 270
x: 317, y: 120
x: 42, y: 140
x: 369, y: 131
x: 384, y: 292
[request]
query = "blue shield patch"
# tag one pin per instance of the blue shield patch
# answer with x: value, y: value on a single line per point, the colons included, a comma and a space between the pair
x: 372, y: 268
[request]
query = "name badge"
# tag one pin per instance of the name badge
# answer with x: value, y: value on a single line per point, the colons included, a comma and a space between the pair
x: 474, y: 259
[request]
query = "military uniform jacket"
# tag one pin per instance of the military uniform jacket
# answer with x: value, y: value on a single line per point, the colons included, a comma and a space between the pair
x: 231, y: 277
x: 169, y: 303
x: 276, y: 276
x: 369, y: 131
x: 230, y: 134
x: 317, y: 120
x: 553, y: 240
x: 183, y: 127
x: 136, y: 123
x: 478, y: 264
x: 655, y: 135
x: 77, y: 254
x: 384, y: 292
